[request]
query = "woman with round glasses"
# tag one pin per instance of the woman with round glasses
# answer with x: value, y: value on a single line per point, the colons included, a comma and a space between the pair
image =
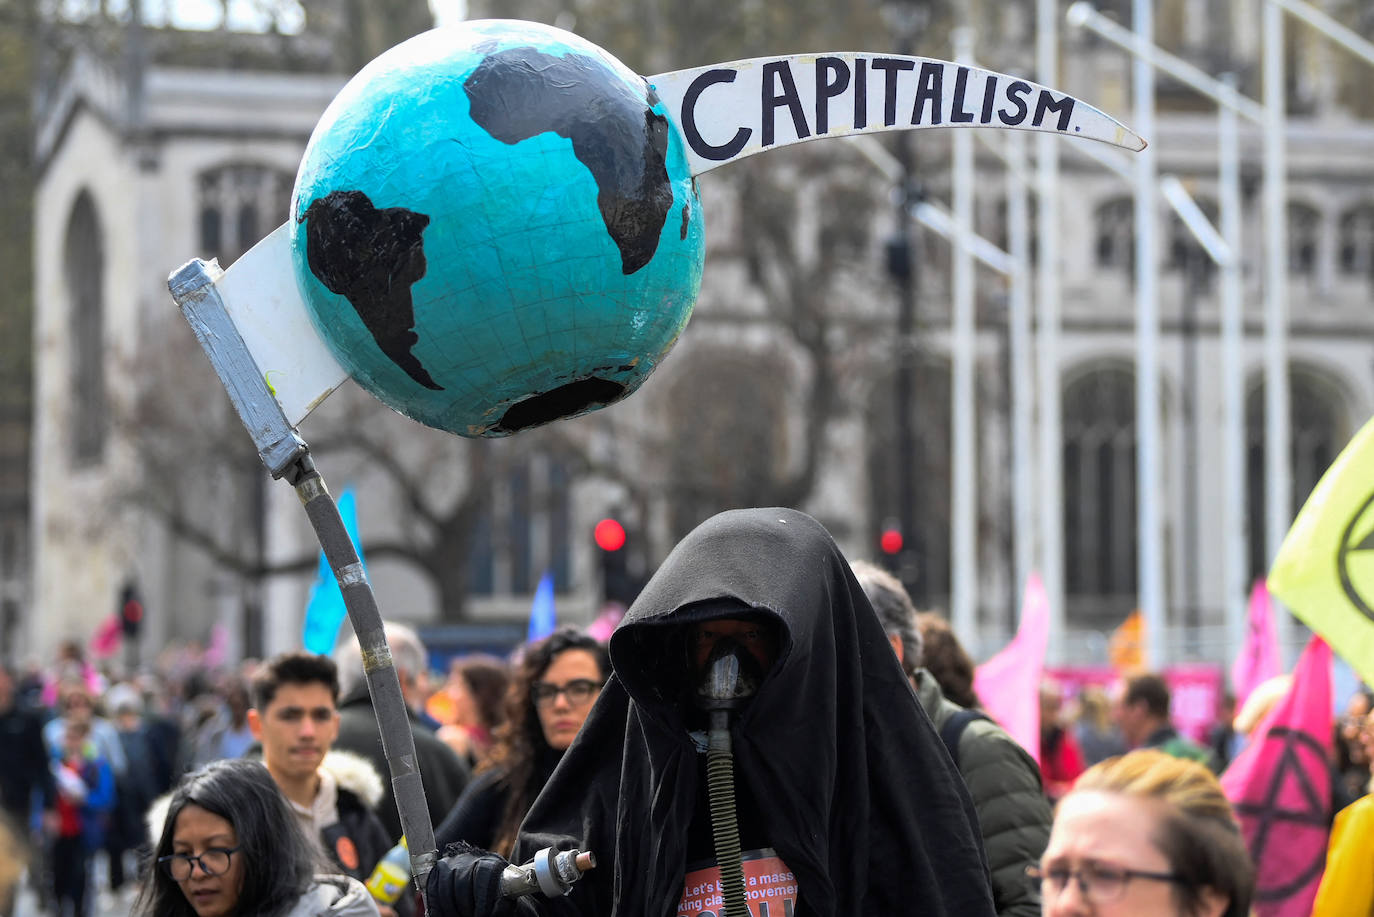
x: 231, y: 847
x: 551, y: 693
x: 1145, y: 835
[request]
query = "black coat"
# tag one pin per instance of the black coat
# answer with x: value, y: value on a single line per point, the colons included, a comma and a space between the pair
x: 23, y: 764
x: 851, y: 784
x: 442, y: 773
x: 361, y: 826
x: 476, y: 818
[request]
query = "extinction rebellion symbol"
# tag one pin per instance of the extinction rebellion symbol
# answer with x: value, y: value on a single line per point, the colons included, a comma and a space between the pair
x: 1355, y: 559
x: 1288, y: 806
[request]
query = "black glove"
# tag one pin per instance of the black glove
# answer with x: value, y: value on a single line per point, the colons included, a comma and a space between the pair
x: 467, y: 883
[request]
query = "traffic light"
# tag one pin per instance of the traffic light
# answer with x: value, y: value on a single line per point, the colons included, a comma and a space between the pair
x: 130, y: 611
x: 617, y: 585
x: 890, y: 541
x: 609, y: 535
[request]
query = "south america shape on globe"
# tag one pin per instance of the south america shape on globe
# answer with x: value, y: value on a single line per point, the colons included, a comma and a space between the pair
x: 485, y: 202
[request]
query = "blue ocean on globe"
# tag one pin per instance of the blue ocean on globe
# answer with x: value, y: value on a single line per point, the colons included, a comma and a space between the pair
x: 494, y: 227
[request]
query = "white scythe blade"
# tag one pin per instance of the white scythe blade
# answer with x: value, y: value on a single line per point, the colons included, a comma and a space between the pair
x: 729, y: 111
x: 261, y: 297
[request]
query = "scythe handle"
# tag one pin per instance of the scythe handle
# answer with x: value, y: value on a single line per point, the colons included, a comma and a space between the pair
x: 393, y: 721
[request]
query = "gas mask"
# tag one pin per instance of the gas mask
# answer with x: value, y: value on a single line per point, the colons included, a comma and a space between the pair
x: 729, y: 679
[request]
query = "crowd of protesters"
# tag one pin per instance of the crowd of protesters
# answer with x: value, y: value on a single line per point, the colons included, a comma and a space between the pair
x: 97, y: 766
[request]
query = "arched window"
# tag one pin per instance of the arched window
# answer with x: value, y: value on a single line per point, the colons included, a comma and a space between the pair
x: 1000, y: 231
x: 1304, y: 239
x: 1316, y: 435
x: 84, y: 266
x: 728, y: 446
x: 524, y: 529
x: 239, y: 204
x: 1185, y: 253
x: 1356, y: 254
x: 1100, y: 490
x: 929, y: 473
x: 1114, y: 232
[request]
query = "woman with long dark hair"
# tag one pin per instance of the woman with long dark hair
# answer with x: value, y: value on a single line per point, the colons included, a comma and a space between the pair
x: 231, y: 847
x: 552, y: 691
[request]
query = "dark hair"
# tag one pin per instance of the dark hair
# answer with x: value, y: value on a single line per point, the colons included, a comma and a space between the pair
x: 1149, y: 689
x: 487, y: 679
x: 520, y: 742
x: 946, y: 659
x: 279, y: 862
x: 892, y: 603
x: 295, y: 668
x: 1197, y: 833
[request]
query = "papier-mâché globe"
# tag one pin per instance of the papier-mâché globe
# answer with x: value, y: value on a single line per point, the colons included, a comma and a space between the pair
x: 494, y: 227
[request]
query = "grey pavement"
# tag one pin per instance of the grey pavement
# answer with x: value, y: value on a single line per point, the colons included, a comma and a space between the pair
x: 101, y: 902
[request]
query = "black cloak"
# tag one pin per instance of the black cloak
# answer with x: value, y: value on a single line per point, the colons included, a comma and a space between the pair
x: 854, y: 788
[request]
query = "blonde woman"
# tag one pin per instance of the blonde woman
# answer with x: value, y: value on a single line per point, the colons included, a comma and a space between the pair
x: 1145, y: 835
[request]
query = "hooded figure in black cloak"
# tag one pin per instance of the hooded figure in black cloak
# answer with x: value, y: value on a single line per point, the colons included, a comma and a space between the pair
x: 838, y: 773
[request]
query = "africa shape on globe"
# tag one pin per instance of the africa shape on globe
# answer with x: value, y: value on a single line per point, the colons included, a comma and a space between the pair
x: 495, y: 227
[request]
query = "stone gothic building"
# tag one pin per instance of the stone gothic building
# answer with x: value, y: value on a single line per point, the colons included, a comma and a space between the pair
x: 780, y: 390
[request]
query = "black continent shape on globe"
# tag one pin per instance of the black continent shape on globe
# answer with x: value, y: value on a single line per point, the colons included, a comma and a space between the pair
x: 518, y: 93
x: 371, y: 257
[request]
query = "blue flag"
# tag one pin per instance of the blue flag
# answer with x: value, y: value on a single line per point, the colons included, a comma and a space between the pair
x: 543, y: 618
x: 325, y: 609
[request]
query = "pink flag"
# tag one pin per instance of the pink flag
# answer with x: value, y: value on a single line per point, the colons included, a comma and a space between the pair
x: 604, y: 625
x: 106, y: 638
x: 1258, y: 659
x: 1280, y: 786
x: 217, y: 653
x: 1008, y: 684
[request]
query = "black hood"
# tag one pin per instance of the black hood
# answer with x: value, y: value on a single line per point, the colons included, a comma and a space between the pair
x: 856, y: 792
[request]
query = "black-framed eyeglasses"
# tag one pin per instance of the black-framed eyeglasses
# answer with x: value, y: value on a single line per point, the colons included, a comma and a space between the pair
x: 578, y: 691
x: 1099, y: 882
x: 181, y: 866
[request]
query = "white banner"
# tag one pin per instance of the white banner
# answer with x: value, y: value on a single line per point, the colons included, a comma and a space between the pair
x: 729, y: 111
x: 260, y: 294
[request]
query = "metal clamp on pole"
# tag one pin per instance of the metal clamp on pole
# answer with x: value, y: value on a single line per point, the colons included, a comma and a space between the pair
x: 551, y: 872
x: 193, y: 288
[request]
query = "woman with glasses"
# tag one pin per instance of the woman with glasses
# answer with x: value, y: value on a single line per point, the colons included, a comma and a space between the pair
x: 230, y: 846
x: 1145, y: 835
x: 551, y: 693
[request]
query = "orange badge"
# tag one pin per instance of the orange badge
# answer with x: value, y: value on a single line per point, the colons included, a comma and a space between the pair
x: 346, y: 852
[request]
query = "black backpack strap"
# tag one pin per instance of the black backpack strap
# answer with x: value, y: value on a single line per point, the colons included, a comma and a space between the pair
x: 954, y: 728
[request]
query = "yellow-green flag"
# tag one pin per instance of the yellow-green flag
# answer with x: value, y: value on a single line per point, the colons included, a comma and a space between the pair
x: 1325, y: 568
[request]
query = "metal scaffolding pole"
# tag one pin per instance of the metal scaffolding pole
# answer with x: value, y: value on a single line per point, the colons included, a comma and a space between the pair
x: 1148, y: 471
x: 1278, y: 484
x: 963, y: 445
x: 1047, y: 294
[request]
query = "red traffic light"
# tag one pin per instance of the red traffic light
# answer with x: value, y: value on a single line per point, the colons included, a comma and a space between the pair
x: 609, y: 535
x: 890, y: 541
x: 133, y: 611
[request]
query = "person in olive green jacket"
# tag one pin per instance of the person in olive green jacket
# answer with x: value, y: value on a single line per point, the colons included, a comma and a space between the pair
x: 1002, y: 778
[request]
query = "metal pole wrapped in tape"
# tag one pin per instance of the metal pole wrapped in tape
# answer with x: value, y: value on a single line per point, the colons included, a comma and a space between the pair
x: 287, y: 456
x: 393, y: 721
